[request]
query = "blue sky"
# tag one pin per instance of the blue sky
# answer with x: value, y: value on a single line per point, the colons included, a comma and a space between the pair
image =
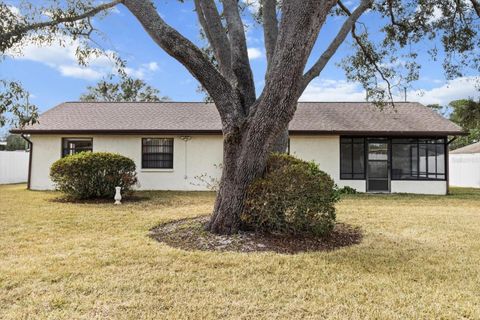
x: 52, y: 75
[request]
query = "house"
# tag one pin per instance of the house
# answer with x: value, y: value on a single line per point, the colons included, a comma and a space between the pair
x: 400, y: 149
x: 465, y: 166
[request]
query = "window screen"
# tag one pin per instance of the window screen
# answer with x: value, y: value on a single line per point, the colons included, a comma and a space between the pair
x: 352, y: 158
x: 157, y: 153
x: 418, y: 159
x: 76, y: 145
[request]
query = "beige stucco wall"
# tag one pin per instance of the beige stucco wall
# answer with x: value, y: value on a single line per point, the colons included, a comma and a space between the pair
x: 325, y: 151
x: 46, y: 150
x: 201, y: 155
x: 420, y: 187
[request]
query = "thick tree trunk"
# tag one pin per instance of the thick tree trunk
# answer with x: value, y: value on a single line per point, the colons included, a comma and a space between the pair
x: 229, y: 205
x: 244, y: 160
x: 281, y: 143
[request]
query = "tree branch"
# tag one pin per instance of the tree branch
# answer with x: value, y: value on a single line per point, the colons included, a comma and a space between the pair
x: 211, y: 23
x: 347, y: 26
x: 238, y: 46
x: 366, y: 51
x: 270, y: 27
x: 19, y: 32
x: 392, y: 16
x: 184, y: 51
x: 476, y: 6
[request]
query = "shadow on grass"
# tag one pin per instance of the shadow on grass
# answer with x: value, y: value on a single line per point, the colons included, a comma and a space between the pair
x: 454, y: 193
x: 125, y: 199
x: 190, y: 235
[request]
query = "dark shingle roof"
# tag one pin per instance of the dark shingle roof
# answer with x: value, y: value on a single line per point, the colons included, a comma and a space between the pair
x: 198, y: 117
x: 472, y: 148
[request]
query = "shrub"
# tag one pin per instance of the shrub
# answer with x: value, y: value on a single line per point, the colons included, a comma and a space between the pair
x: 346, y: 190
x: 293, y: 197
x: 93, y: 174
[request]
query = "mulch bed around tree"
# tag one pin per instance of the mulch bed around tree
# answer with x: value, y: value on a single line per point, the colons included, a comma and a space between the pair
x: 190, y: 234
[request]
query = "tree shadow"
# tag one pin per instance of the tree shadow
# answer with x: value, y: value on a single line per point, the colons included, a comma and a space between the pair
x: 125, y: 199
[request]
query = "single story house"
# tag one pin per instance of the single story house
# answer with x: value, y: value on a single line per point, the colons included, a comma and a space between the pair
x: 465, y: 166
x: 400, y: 149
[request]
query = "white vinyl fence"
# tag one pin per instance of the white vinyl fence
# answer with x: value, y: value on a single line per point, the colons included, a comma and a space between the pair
x: 465, y: 170
x: 13, y: 166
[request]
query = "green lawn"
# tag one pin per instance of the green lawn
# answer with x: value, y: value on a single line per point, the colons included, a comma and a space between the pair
x: 420, y: 258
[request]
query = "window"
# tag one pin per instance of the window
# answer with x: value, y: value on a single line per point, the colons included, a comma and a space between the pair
x: 76, y: 145
x: 157, y: 153
x: 422, y: 159
x: 352, y: 158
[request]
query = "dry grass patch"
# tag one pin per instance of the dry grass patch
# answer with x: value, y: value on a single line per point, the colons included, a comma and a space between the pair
x: 419, y: 258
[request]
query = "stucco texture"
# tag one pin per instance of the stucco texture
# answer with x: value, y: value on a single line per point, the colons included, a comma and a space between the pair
x: 201, y: 155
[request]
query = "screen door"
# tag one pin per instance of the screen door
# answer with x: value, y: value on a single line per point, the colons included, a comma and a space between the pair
x: 378, y: 178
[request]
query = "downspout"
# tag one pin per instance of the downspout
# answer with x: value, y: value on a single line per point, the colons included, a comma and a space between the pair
x: 30, y: 145
x: 447, y: 164
x: 185, y: 139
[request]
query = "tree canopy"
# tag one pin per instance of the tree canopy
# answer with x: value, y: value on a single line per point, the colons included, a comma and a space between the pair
x: 126, y: 89
x: 15, y: 142
x: 382, y: 59
x: 466, y: 113
x: 15, y: 107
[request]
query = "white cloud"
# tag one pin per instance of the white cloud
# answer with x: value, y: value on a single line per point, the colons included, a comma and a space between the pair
x: 143, y: 70
x: 152, y: 66
x: 80, y: 72
x: 437, y: 14
x: 63, y: 59
x: 254, y: 53
x: 333, y: 90
x: 253, y: 5
x: 341, y: 90
x: 135, y: 73
x: 14, y: 10
x: 251, y: 34
x: 458, y: 88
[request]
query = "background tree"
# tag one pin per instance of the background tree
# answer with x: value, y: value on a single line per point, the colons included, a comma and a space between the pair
x: 15, y: 107
x: 15, y: 142
x: 466, y: 113
x: 126, y: 89
x: 254, y: 123
x: 441, y: 110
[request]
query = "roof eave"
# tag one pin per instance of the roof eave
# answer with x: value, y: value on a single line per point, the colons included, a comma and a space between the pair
x: 119, y: 132
x: 379, y: 133
x: 216, y: 132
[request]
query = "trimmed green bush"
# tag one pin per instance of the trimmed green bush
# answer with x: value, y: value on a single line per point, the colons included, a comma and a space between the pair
x: 293, y: 197
x: 88, y: 175
x: 346, y: 190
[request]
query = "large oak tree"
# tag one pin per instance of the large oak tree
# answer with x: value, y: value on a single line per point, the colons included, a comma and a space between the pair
x: 254, y: 123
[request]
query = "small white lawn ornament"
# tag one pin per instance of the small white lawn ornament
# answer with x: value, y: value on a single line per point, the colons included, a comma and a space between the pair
x: 118, y: 196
